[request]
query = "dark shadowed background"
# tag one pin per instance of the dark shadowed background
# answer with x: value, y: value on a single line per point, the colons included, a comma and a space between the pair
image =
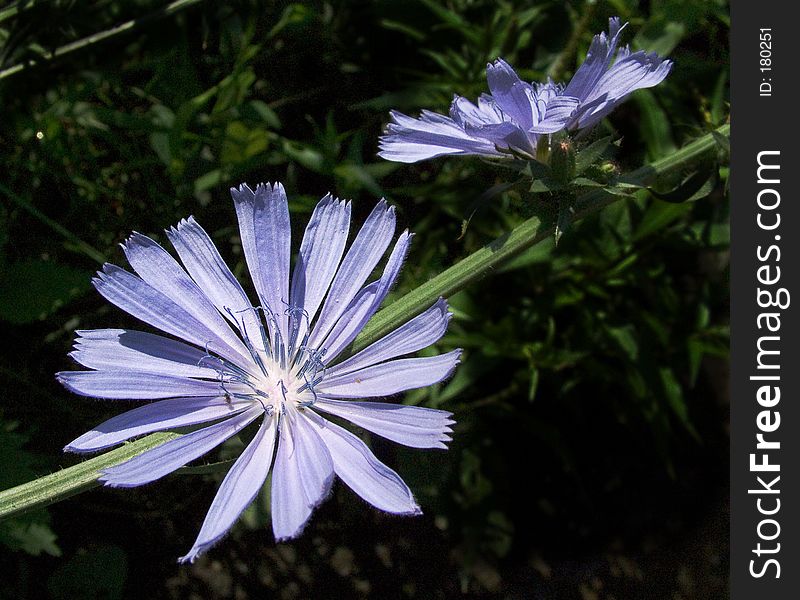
x: 590, y: 458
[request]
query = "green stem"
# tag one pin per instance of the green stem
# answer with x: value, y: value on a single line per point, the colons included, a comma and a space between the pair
x: 166, y: 11
x: 72, y: 480
x: 84, y: 476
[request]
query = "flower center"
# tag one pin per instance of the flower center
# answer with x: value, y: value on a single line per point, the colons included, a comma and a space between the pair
x: 288, y: 372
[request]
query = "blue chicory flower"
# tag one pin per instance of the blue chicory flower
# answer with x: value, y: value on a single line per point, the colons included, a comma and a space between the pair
x: 515, y: 116
x: 234, y: 367
x: 608, y: 76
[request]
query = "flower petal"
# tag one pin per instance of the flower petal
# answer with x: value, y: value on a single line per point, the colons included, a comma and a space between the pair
x: 126, y: 349
x: 558, y: 112
x: 629, y: 73
x: 486, y: 112
x: 239, y: 488
x: 506, y: 135
x: 174, y: 454
x: 365, y: 252
x: 390, y: 377
x: 265, y: 208
x: 135, y: 385
x: 413, y: 426
x: 321, y: 252
x: 510, y: 92
x: 158, y: 416
x: 136, y: 297
x: 302, y: 476
x: 410, y: 140
x: 348, y: 323
x: 163, y: 273
x: 598, y: 59
x: 420, y: 332
x: 366, y: 303
x: 204, y: 263
x: 368, y: 477
x: 273, y: 238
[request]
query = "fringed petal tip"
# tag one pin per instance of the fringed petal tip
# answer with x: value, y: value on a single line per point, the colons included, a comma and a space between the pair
x: 197, y: 551
x: 329, y: 198
x: 501, y: 65
x: 75, y: 447
x: 100, y: 274
x: 108, y: 480
x: 270, y: 188
x: 456, y: 354
x: 283, y: 537
x: 62, y: 377
x: 416, y: 511
x: 261, y: 188
x: 191, y: 556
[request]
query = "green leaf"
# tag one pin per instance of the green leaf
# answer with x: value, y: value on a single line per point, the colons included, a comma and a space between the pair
x: 674, y: 396
x: 697, y: 185
x: 402, y: 28
x: 308, y: 157
x: 694, y: 353
x: 454, y: 20
x: 265, y: 113
x: 590, y: 155
x: 660, y: 36
x: 541, y: 186
x: 208, y: 181
x: 242, y: 143
x: 563, y: 221
x: 470, y: 371
x: 159, y: 142
x: 658, y: 216
x: 537, y: 170
x: 655, y: 126
x: 257, y: 516
x: 356, y: 176
x: 220, y: 466
x: 625, y: 338
x: 534, y: 384
x: 724, y: 142
x: 32, y: 538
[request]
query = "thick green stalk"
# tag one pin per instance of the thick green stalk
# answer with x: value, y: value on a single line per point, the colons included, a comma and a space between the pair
x: 72, y: 480
x: 84, y: 476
